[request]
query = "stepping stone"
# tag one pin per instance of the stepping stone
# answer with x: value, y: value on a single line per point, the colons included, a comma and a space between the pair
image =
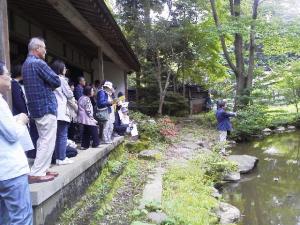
x: 153, y: 189
x: 157, y: 217
x: 245, y: 163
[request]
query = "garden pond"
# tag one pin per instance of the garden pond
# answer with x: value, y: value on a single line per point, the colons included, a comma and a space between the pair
x: 269, y: 195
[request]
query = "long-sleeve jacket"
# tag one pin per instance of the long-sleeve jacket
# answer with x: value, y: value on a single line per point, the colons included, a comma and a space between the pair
x: 223, y: 119
x: 78, y: 92
x: 13, y: 162
x: 102, y: 100
x: 18, y: 98
x: 39, y: 82
x: 85, y: 111
x: 62, y: 94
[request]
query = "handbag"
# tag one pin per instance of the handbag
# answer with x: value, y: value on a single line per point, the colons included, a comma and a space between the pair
x: 101, y: 114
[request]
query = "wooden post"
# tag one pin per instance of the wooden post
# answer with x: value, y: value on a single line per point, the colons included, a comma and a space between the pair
x: 4, y: 34
x: 100, y: 64
x: 4, y: 40
x: 126, y: 85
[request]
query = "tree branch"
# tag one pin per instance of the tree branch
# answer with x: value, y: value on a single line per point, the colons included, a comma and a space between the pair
x: 222, y: 36
x: 252, y: 44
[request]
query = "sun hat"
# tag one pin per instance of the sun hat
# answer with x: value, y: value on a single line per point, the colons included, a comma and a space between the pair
x: 108, y: 84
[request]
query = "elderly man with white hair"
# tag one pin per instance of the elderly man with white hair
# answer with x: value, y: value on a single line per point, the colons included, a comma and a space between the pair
x: 15, y: 203
x: 40, y: 81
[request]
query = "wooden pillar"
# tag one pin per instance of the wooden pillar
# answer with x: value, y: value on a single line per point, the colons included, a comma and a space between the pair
x: 126, y: 85
x: 100, y: 64
x: 4, y: 40
x: 4, y: 34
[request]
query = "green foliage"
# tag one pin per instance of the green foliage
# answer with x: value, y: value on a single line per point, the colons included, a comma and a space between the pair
x: 216, y: 166
x: 250, y: 120
x: 137, y: 146
x: 207, y: 119
x: 191, y: 184
x: 147, y: 127
x: 175, y: 105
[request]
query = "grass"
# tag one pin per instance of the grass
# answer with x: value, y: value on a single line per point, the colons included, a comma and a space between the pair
x: 187, y: 190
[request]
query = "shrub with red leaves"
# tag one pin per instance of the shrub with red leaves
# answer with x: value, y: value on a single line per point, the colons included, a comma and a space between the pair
x: 167, y: 127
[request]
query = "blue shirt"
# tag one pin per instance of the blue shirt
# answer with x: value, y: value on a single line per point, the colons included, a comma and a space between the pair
x: 223, y: 119
x: 39, y: 82
x: 13, y: 162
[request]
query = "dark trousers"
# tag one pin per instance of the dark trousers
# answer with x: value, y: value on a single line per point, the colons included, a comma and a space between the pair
x: 90, y: 132
x: 61, y: 140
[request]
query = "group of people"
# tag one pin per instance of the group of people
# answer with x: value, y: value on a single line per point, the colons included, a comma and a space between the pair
x: 47, y: 111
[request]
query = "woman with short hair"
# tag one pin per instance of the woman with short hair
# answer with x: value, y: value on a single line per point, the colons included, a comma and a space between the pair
x: 86, y: 118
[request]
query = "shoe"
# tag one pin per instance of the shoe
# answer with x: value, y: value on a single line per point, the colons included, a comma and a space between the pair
x: 53, y: 174
x: 115, y: 135
x: 108, y: 142
x: 83, y: 148
x: 66, y: 161
x: 96, y: 146
x: 39, y: 179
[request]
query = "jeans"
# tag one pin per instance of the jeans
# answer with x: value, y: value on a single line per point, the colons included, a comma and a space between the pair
x: 61, y: 140
x: 15, y: 203
x: 88, y: 133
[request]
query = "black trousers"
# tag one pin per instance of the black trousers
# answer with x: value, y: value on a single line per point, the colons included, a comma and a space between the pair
x: 90, y: 132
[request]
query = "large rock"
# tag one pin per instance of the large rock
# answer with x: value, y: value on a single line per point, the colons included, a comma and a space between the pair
x: 228, y: 214
x: 150, y: 154
x: 232, y: 177
x: 157, y: 217
x: 245, y: 163
x: 267, y: 130
x: 291, y: 127
x: 280, y: 129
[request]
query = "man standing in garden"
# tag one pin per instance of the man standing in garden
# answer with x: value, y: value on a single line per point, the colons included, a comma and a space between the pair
x: 40, y: 81
x: 224, y: 124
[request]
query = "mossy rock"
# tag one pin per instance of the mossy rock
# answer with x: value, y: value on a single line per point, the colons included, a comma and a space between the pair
x: 150, y: 155
x: 137, y: 146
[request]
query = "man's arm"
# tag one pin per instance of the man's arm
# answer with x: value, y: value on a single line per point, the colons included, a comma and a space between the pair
x: 48, y: 75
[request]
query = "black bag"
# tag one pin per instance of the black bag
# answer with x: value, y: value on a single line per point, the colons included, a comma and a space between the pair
x: 101, y: 114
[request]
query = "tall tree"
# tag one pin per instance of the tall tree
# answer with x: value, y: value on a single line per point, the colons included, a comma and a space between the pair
x: 243, y: 68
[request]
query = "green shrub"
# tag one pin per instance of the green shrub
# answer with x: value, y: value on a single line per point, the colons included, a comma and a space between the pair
x: 147, y: 126
x: 250, y: 120
x: 207, y: 119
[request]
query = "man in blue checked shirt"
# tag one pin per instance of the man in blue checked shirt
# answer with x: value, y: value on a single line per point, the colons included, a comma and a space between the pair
x: 39, y: 83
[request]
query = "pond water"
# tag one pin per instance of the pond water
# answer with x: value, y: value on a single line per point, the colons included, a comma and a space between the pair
x: 271, y: 193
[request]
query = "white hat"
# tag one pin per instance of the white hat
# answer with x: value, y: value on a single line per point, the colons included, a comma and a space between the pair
x: 108, y: 84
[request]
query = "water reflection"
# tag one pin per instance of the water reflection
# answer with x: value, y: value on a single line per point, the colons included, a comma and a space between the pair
x: 271, y: 194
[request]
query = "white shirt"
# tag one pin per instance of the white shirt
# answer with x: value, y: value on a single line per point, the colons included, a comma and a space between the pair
x: 63, y: 93
x: 13, y: 162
